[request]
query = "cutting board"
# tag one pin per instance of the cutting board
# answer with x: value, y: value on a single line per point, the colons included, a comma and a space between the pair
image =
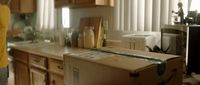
x: 96, y: 22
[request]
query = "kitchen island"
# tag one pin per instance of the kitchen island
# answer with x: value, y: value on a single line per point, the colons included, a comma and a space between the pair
x: 50, y: 64
x: 39, y: 63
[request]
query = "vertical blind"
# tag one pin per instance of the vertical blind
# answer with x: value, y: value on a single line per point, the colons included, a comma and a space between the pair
x: 143, y: 15
x: 45, y: 14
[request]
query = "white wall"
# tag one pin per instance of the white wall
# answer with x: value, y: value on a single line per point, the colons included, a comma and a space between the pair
x: 76, y: 14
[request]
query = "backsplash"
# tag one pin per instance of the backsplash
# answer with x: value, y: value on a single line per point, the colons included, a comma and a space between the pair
x: 106, y: 12
x: 20, y: 24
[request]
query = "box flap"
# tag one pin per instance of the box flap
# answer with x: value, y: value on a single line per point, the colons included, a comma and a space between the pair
x: 126, y: 63
x: 112, y: 60
x: 143, y: 54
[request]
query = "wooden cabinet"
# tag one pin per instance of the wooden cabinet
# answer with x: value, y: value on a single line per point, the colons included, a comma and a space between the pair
x: 23, y: 6
x: 60, y: 3
x: 56, y: 79
x: 21, y: 69
x: 83, y: 3
x: 38, y: 73
x: 38, y: 77
x: 38, y: 61
x: 21, y: 73
x: 56, y: 68
x: 32, y: 69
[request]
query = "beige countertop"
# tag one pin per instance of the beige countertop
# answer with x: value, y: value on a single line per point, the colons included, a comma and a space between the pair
x: 55, y: 51
x: 46, y: 49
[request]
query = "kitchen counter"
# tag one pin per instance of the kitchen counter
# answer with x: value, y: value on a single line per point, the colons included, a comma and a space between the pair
x: 91, y: 66
x: 47, y: 49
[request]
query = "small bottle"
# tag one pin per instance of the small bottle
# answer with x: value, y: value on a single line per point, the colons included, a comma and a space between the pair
x: 104, y: 40
x: 74, y: 38
x: 80, y: 40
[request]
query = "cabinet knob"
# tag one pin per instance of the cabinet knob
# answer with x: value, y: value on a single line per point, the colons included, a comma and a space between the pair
x: 60, y: 67
x: 53, y: 82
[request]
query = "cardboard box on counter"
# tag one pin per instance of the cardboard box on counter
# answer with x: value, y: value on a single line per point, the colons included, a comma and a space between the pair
x: 108, y: 66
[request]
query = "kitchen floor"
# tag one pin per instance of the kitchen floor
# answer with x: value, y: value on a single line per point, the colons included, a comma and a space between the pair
x: 11, y: 75
x: 192, y: 80
x: 11, y: 79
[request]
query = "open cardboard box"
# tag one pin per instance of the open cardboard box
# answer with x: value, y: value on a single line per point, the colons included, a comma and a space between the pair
x: 106, y: 66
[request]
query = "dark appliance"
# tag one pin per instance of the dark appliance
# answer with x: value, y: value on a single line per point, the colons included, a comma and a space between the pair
x: 193, y: 49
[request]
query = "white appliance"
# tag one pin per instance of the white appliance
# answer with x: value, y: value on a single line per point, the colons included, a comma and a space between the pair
x: 139, y: 41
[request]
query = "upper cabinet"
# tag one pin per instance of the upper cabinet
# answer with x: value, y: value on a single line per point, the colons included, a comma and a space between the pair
x: 23, y: 6
x: 83, y: 3
x: 60, y: 3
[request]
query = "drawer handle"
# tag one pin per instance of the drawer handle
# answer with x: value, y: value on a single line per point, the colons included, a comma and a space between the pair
x: 60, y: 67
x: 53, y: 82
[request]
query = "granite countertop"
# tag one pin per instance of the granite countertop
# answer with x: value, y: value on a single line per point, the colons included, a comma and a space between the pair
x: 46, y: 49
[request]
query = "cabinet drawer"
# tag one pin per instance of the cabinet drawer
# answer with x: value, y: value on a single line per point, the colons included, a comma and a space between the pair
x: 56, y: 66
x: 20, y: 56
x: 38, y: 61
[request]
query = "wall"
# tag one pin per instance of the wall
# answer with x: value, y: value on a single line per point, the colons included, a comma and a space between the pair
x: 17, y: 25
x: 106, y: 12
x: 23, y: 20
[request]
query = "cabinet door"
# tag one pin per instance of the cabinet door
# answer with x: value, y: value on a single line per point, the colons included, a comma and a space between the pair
x: 27, y: 6
x: 84, y: 2
x: 21, y: 73
x: 14, y: 6
x: 23, y: 6
x: 60, y: 3
x: 38, y: 77
x: 56, y: 79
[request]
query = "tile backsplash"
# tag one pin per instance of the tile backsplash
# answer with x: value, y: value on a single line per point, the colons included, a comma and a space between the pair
x: 18, y: 24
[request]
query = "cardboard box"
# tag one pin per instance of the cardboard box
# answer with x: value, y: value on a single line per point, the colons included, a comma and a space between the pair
x: 113, y: 68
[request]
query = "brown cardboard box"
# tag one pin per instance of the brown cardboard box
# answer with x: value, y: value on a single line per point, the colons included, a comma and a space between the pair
x: 101, y: 68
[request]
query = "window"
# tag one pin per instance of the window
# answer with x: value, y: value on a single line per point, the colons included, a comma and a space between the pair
x: 145, y: 15
x: 65, y: 17
x: 195, y: 5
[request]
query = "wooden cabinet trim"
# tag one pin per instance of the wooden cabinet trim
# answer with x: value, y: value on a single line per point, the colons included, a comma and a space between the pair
x: 38, y: 61
x: 40, y: 73
x: 56, y: 66
x: 84, y: 3
x: 20, y: 56
x: 23, y: 6
x: 27, y: 62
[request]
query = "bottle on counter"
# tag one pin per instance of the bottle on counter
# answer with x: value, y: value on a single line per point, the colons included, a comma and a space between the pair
x: 74, y: 38
x: 88, y: 34
x: 80, y: 40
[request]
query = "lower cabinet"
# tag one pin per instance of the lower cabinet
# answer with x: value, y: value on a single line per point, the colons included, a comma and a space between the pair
x: 56, y: 79
x: 56, y: 72
x: 21, y: 73
x: 31, y: 69
x: 38, y: 77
